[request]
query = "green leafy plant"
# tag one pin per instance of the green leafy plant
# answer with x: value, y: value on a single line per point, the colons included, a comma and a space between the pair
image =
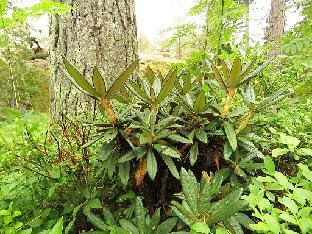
x: 170, y: 118
x: 201, y: 209
x: 283, y: 205
x: 142, y: 223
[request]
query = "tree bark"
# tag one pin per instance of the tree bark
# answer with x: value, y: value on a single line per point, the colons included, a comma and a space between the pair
x: 98, y: 33
x: 276, y: 26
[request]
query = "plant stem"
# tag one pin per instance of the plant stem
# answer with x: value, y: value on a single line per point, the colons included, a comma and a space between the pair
x: 246, y: 120
x: 228, y: 102
x: 106, y: 103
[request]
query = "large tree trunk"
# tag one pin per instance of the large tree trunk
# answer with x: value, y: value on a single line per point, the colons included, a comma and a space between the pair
x: 276, y: 26
x: 97, y: 33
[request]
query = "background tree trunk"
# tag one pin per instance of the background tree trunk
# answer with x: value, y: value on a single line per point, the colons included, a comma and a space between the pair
x: 276, y: 26
x: 97, y: 32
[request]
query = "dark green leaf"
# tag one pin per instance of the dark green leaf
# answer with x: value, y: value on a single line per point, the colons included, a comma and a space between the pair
x: 122, y: 78
x: 235, y: 73
x: 124, y: 170
x: 171, y: 166
x: 140, y: 92
x: 218, y: 77
x: 231, y: 135
x: 125, y: 224
x: 200, y: 103
x: 201, y: 135
x: 194, y: 153
x: 140, y: 216
x: 167, y: 86
x: 80, y: 80
x: 190, y: 189
x: 166, y: 226
x: 151, y: 164
x: 98, y: 82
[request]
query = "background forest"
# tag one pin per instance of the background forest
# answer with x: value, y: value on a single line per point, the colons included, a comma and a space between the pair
x: 204, y: 128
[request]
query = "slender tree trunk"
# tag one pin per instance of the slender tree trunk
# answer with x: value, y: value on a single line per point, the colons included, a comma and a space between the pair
x: 276, y: 26
x: 97, y: 33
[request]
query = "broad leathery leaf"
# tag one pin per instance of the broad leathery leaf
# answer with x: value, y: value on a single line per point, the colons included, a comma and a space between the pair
x: 186, y: 214
x: 80, y: 81
x: 123, y: 172
x: 253, y: 74
x: 58, y: 227
x: 110, y: 165
x: 151, y: 164
x: 227, y: 150
x: 166, y: 226
x: 156, y: 87
x: 193, y: 153
x: 232, y: 225
x: 235, y: 73
x: 250, y: 147
x: 125, y: 224
x: 268, y: 101
x: 140, y: 215
x: 140, y: 92
x: 200, y: 227
x: 122, y: 78
x: 204, y: 196
x: 187, y: 84
x: 166, y: 150
x: 190, y: 189
x: 127, y: 157
x: 178, y: 138
x: 96, y: 221
x: 238, y: 171
x: 225, y: 212
x: 181, y: 215
x: 98, y: 82
x: 105, y: 151
x: 225, y: 70
x: 125, y: 94
x: 108, y: 217
x: 249, y: 95
x: 200, y: 103
x: 218, y: 77
x: 230, y: 134
x: 171, y: 166
x: 227, y: 201
x: 150, y: 75
x: 201, y: 135
x: 227, y: 207
x: 155, y: 219
x: 167, y: 86
x: 244, y: 220
x: 117, y: 230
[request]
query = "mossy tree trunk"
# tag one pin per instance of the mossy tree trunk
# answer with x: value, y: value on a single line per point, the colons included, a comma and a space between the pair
x: 276, y: 26
x: 97, y: 33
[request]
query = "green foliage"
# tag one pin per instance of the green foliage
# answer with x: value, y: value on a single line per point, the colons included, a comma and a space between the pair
x: 141, y: 223
x: 152, y: 126
x: 198, y: 210
x: 283, y: 205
